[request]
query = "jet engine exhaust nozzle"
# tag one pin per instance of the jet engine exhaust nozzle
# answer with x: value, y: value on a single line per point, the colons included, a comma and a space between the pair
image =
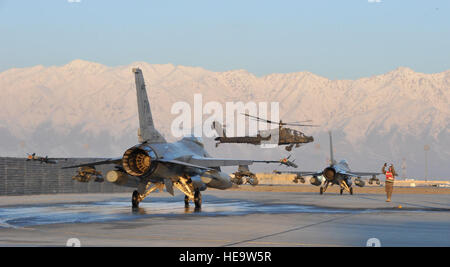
x: 139, y: 161
x: 329, y: 173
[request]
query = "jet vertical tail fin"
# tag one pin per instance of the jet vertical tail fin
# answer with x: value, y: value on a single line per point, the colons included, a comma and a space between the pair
x: 147, y: 131
x: 331, y: 150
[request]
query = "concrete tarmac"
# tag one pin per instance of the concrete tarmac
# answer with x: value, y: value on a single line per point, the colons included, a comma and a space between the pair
x: 227, y: 218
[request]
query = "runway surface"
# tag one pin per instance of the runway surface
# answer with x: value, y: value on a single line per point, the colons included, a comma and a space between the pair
x: 227, y: 218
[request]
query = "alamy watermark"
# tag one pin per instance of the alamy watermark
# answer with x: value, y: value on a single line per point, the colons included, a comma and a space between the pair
x: 73, y: 242
x: 373, y: 242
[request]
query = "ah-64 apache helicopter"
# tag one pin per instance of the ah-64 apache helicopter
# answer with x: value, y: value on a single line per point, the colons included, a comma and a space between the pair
x: 286, y: 136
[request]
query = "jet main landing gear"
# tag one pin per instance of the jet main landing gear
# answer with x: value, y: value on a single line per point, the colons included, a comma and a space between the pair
x: 198, y: 199
x: 135, y: 200
x: 350, y: 190
x: 137, y: 197
x: 344, y: 186
x: 184, y: 185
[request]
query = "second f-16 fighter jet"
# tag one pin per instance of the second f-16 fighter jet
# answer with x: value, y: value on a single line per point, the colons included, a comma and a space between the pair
x: 336, y: 173
x: 154, y: 163
x: 46, y: 159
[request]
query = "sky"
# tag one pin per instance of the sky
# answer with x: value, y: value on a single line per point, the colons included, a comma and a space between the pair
x: 345, y: 39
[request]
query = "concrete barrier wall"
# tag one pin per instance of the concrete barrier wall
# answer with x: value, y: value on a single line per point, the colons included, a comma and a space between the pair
x: 287, y: 179
x: 21, y: 177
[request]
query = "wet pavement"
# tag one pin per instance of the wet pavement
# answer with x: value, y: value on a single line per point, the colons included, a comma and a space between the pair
x: 229, y: 219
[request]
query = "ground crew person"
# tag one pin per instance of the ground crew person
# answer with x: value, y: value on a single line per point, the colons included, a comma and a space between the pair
x: 389, y: 183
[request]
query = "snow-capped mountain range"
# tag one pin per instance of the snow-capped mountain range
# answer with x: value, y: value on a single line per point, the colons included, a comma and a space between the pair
x: 89, y: 109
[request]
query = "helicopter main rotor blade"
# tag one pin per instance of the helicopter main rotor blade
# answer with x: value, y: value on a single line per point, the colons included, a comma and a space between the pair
x: 259, y: 119
x: 299, y: 121
x: 298, y: 124
x: 266, y: 121
x: 281, y: 123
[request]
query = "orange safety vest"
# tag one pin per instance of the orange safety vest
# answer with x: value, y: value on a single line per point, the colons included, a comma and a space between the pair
x: 389, y: 177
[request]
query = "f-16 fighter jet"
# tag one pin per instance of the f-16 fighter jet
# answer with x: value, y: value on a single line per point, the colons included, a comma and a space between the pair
x: 154, y: 163
x: 46, y: 159
x: 336, y: 173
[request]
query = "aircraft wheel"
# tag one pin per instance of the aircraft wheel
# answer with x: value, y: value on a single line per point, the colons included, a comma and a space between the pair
x: 237, y: 181
x: 341, y: 191
x: 198, y: 199
x: 351, y: 190
x: 186, y: 201
x: 135, y: 199
x: 253, y: 180
x: 321, y: 190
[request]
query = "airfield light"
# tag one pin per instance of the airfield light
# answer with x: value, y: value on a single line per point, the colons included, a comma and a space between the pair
x: 426, y: 148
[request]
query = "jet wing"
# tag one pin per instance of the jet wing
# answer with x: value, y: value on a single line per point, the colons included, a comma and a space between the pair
x: 300, y: 173
x: 45, y: 158
x: 194, y: 162
x: 117, y: 161
x: 362, y: 173
x: 217, y: 162
x: 186, y: 164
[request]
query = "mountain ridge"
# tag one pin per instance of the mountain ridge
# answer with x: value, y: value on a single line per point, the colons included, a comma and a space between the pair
x: 401, y: 108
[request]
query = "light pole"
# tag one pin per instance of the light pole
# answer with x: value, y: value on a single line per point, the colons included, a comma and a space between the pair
x: 426, y: 148
x: 404, y: 168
